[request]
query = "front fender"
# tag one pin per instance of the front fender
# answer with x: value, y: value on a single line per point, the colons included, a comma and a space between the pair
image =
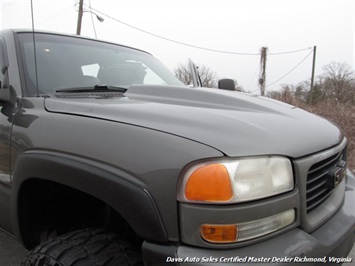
x: 122, y: 191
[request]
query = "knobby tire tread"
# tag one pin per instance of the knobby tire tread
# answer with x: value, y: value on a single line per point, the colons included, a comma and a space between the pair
x: 88, y: 247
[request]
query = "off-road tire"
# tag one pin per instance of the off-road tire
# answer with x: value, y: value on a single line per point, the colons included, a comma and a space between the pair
x: 89, y: 247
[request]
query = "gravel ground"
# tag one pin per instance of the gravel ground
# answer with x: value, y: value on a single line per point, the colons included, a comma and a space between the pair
x: 11, y: 252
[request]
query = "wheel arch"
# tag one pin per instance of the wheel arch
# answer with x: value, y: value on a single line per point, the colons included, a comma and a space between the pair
x: 124, y: 193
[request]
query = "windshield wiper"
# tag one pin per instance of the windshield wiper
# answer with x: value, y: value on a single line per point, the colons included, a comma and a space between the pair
x: 96, y: 88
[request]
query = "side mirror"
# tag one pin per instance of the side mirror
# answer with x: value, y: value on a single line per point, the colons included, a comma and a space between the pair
x: 5, y: 95
x: 3, y: 69
x: 226, y: 84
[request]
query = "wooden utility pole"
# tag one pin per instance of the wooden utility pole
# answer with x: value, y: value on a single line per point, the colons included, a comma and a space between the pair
x: 313, y: 70
x: 262, y: 76
x: 80, y: 16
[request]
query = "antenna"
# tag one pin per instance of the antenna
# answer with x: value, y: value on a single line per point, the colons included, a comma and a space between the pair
x: 34, y: 47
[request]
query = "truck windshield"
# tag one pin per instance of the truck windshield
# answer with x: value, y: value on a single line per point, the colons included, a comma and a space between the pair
x: 65, y: 62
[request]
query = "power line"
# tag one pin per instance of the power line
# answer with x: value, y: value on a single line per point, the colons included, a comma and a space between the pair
x: 291, y: 52
x: 92, y: 19
x: 190, y: 45
x: 291, y: 69
x: 256, y: 71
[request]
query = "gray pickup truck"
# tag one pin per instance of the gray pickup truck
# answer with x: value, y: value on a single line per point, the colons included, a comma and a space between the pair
x: 108, y: 159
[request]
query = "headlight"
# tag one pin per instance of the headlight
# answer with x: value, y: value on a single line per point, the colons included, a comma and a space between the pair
x: 232, y: 181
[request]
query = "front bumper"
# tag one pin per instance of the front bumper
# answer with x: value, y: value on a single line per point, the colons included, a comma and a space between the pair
x: 335, y: 239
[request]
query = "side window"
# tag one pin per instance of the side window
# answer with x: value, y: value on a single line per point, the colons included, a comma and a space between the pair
x: 2, y: 61
x: 4, y: 125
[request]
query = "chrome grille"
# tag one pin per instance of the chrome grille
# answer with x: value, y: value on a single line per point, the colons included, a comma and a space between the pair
x: 320, y: 179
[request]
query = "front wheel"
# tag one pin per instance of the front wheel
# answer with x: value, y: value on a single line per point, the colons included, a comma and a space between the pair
x: 88, y: 247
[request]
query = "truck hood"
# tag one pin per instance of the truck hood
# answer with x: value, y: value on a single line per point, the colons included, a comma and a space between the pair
x: 236, y: 124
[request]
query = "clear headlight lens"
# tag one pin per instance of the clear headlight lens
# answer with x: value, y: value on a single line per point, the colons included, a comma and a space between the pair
x: 231, y: 181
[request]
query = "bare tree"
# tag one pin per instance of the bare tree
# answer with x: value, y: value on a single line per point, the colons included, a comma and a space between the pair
x: 208, y: 76
x: 237, y: 86
x: 182, y: 72
x: 338, y: 82
x: 288, y: 94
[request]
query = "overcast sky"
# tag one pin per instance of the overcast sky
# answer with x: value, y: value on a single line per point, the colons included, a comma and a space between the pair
x: 236, y: 26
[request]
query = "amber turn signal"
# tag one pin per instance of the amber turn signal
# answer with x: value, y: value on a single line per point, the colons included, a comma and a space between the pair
x: 215, y: 233
x: 209, y: 183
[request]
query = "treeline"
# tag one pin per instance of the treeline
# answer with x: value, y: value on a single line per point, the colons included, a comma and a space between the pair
x: 336, y: 83
x: 333, y: 97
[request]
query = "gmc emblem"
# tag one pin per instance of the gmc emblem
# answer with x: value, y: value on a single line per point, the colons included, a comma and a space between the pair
x: 337, y: 173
